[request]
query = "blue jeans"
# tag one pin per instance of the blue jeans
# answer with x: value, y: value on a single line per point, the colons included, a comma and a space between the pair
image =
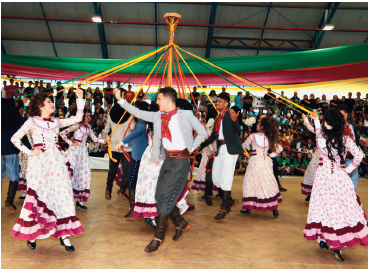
x: 354, y: 174
x: 10, y: 165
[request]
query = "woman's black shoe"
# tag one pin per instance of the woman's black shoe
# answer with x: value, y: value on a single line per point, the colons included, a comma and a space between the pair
x: 21, y: 197
x: 323, y: 245
x: 68, y: 248
x: 246, y: 211
x: 79, y: 205
x: 150, y: 222
x: 208, y: 201
x: 31, y: 245
x: 308, y: 198
x: 275, y: 213
x: 338, y: 254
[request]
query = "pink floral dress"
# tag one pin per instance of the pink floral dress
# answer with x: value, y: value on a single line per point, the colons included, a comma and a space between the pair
x: 145, y: 202
x: 260, y: 188
x: 335, y: 211
x: 310, y: 174
x: 77, y: 159
x: 199, y: 183
x: 48, y: 209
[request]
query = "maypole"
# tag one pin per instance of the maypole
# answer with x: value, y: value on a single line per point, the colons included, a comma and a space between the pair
x: 172, y: 20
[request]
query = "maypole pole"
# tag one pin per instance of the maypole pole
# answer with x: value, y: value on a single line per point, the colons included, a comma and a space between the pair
x: 172, y: 20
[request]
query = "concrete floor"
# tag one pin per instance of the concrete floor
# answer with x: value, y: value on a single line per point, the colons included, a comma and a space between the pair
x: 240, y: 241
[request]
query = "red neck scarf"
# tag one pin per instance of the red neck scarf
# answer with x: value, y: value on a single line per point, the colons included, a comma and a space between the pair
x: 165, y: 119
x: 219, y: 121
x: 348, y: 131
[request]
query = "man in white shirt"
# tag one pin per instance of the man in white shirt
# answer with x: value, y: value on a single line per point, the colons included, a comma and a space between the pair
x: 173, y: 133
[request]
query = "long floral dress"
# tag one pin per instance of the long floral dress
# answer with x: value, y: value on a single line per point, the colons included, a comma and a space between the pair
x: 260, y: 188
x: 77, y: 159
x: 48, y: 209
x: 145, y: 202
x: 335, y: 211
x: 307, y: 184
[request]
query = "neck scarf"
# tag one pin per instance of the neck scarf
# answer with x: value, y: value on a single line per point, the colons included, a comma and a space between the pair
x: 165, y: 119
x: 219, y: 121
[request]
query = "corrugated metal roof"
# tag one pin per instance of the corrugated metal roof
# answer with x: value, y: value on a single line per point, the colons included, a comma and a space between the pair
x: 70, y: 50
x: 354, y: 4
x: 196, y: 36
x: 333, y: 39
x: 191, y: 14
x: 222, y: 53
x: 74, y: 31
x: 21, y: 9
x: 69, y: 10
x: 350, y: 19
x: 240, y: 16
x: 299, y: 17
x: 195, y: 50
x: 237, y: 32
x: 288, y: 34
x: 24, y: 29
x: 29, y: 48
x: 120, y: 33
x: 127, y: 51
x: 126, y: 11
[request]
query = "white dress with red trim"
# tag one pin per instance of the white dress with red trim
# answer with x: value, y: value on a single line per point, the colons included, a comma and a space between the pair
x: 145, y: 201
x: 310, y: 173
x: 260, y: 188
x: 335, y: 211
x: 77, y: 161
x: 48, y: 209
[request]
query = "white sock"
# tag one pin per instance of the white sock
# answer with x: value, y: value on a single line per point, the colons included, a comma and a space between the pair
x: 32, y: 241
x: 154, y: 221
x: 81, y: 203
x: 320, y: 240
x: 24, y: 194
x: 66, y: 241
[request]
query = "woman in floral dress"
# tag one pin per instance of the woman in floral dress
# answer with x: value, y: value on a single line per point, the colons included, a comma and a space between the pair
x: 77, y: 159
x: 48, y: 209
x: 307, y: 184
x: 335, y: 216
x: 260, y: 188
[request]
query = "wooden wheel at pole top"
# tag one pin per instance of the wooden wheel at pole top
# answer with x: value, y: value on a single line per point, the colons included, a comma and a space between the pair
x: 172, y: 20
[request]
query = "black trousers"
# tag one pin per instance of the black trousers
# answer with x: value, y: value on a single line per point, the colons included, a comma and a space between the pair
x: 114, y: 165
x: 171, y: 182
x: 209, y: 179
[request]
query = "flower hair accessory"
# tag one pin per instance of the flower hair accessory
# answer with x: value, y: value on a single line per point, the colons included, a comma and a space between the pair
x: 328, y: 127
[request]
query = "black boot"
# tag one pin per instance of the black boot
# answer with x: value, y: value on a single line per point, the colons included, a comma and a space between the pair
x: 220, y: 193
x: 225, y: 207
x: 122, y: 190
x: 11, y: 194
x: 159, y: 237
x: 246, y: 211
x: 149, y: 221
x: 180, y: 224
x: 308, y: 198
x: 275, y: 213
x: 131, y: 202
x: 209, y: 189
x: 279, y: 184
x: 109, y: 186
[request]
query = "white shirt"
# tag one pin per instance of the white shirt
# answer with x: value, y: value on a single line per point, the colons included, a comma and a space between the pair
x: 36, y: 90
x: 3, y: 92
x: 177, y: 143
x: 221, y: 135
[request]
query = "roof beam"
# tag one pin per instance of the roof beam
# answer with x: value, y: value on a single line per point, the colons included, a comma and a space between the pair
x: 262, y: 48
x: 316, y: 34
x: 102, y: 36
x: 47, y: 24
x: 3, y: 48
x: 183, y: 25
x: 156, y: 22
x: 318, y: 43
x: 265, y: 23
x: 211, y: 29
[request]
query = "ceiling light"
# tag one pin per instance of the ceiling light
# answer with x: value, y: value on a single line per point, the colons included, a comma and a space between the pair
x: 97, y: 19
x: 328, y: 27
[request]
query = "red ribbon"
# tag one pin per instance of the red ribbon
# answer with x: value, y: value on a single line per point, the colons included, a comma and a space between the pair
x: 219, y: 121
x: 165, y: 119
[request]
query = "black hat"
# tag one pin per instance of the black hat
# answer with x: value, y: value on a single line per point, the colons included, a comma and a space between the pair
x: 117, y: 112
x: 183, y: 104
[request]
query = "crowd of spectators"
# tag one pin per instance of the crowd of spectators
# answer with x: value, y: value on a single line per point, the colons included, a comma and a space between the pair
x: 298, y: 142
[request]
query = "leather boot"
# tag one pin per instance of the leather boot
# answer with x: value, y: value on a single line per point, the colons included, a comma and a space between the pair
x: 11, y: 194
x: 109, y: 186
x: 180, y: 224
x: 225, y: 207
x: 220, y: 193
x: 209, y: 189
x: 131, y: 202
x: 159, y: 237
x: 122, y: 190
